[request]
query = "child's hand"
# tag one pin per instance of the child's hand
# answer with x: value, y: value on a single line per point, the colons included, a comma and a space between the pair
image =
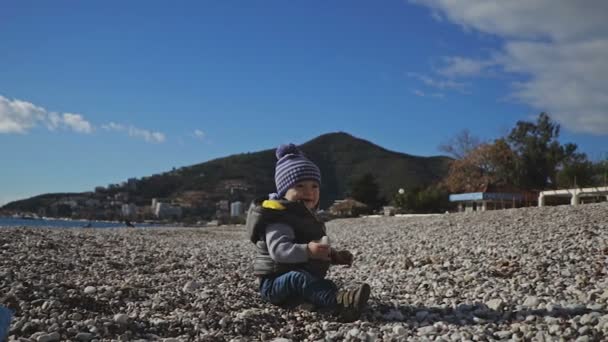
x: 318, y: 250
x: 343, y: 257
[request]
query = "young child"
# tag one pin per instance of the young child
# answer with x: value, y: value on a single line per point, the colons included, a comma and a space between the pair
x: 292, y: 250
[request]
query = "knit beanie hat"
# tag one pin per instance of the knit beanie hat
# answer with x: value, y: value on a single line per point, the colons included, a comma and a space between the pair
x: 293, y: 167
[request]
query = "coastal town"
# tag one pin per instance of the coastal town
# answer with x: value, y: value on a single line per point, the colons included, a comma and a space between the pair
x: 122, y: 202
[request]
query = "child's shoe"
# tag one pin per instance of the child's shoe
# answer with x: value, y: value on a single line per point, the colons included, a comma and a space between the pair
x: 352, y: 302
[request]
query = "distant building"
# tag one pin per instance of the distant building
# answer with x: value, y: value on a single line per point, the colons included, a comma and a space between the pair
x: 575, y: 194
x: 482, y: 201
x: 492, y: 197
x: 236, y: 209
x: 223, y: 205
x: 153, y: 206
x: 122, y: 196
x: 92, y: 202
x: 348, y: 208
x: 389, y: 210
x: 222, y: 210
x: 100, y: 189
x: 129, y: 210
x: 166, y: 211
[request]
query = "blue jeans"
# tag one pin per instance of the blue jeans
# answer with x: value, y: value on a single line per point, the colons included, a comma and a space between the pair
x: 295, y: 287
x: 5, y: 322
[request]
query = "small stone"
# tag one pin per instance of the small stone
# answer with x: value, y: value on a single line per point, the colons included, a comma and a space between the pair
x: 225, y: 321
x: 121, y: 318
x: 55, y: 336
x: 596, y: 307
x: 503, y: 334
x: 353, y: 332
x: 583, y: 330
x: 90, y: 289
x: 588, y: 319
x: 428, y: 330
x: 554, y: 329
x: 399, y: 329
x: 551, y: 320
x: 531, y: 302
x: 455, y: 336
x: 75, y: 316
x: 495, y: 304
x: 27, y: 327
x: 47, y: 305
x: 191, y: 286
x: 81, y: 336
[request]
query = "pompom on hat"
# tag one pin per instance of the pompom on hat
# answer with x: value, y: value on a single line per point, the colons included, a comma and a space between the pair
x: 293, y: 167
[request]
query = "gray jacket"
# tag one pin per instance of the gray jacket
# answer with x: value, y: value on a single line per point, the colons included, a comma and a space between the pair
x: 306, y: 227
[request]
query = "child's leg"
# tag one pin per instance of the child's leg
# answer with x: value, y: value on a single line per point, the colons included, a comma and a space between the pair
x: 5, y: 321
x: 299, y: 286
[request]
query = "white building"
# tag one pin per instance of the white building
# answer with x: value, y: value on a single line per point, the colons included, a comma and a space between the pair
x: 129, y: 210
x: 236, y: 209
x: 166, y: 210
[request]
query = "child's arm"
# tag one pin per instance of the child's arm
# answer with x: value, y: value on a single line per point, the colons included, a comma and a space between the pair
x: 281, y: 246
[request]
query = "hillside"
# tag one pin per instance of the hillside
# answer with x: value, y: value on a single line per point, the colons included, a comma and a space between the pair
x: 340, y: 156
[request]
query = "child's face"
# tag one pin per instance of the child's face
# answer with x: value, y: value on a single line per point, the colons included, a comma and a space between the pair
x: 306, y: 191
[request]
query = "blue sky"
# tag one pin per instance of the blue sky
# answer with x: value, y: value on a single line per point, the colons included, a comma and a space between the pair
x: 95, y: 92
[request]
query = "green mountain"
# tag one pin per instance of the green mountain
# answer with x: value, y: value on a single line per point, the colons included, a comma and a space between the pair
x: 340, y: 156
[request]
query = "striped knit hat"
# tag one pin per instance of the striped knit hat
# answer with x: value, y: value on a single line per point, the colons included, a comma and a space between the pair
x: 293, y: 167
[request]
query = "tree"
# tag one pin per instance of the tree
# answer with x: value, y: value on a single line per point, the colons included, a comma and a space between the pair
x: 484, y: 165
x: 539, y: 153
x: 432, y: 199
x: 600, y: 173
x: 405, y: 200
x: 460, y: 145
x: 365, y: 189
x: 576, y: 171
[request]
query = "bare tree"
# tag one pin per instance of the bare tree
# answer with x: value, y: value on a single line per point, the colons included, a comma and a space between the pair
x: 460, y: 145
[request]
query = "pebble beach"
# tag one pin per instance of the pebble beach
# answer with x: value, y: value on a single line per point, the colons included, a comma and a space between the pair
x: 528, y: 274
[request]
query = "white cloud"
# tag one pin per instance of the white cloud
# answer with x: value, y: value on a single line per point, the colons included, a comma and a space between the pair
x: 557, y: 20
x: 418, y: 93
x: 112, y: 126
x: 459, y: 67
x: 423, y: 94
x: 149, y: 136
x: 77, y: 123
x: 17, y: 116
x: 54, y: 121
x: 439, y: 84
x: 558, y: 47
x: 199, y: 134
